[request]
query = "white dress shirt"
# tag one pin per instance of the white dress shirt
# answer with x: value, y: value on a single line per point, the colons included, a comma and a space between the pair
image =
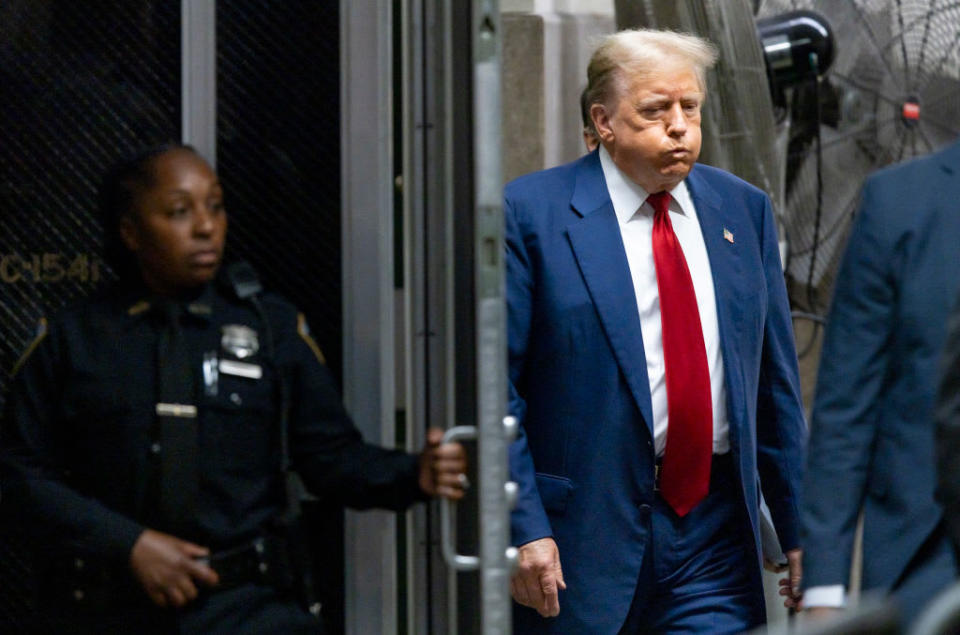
x: 635, y: 217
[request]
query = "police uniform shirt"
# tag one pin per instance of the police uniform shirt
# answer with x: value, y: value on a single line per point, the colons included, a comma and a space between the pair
x: 78, y: 446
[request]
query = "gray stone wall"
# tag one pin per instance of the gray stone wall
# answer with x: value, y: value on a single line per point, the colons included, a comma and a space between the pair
x: 544, y: 70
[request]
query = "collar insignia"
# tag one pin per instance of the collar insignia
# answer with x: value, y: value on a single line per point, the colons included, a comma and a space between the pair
x: 138, y: 308
x: 199, y: 308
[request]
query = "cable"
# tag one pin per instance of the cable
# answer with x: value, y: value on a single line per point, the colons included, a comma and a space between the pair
x: 811, y: 294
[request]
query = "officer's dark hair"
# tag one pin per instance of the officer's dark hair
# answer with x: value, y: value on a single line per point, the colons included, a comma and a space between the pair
x: 117, y: 196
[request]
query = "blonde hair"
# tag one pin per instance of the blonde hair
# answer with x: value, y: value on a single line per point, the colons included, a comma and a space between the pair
x: 638, y: 53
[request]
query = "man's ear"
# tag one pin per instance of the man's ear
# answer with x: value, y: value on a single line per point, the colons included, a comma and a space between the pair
x: 128, y: 233
x: 601, y: 122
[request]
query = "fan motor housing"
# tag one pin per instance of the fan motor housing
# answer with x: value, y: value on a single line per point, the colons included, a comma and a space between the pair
x: 797, y: 46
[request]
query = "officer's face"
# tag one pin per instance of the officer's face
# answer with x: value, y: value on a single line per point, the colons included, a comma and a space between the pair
x: 178, y: 226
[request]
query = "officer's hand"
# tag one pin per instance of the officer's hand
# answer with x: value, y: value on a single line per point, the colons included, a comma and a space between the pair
x: 443, y: 467
x: 168, y: 568
x: 539, y: 577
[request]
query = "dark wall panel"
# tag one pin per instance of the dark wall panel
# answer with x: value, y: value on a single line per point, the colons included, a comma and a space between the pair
x: 278, y: 156
x: 81, y: 83
x: 278, y: 138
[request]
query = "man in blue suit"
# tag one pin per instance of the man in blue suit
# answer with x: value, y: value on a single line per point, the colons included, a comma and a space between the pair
x: 871, y: 444
x: 652, y: 366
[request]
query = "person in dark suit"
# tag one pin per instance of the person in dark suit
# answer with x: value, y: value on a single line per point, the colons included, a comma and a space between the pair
x: 947, y: 417
x: 150, y: 430
x: 871, y: 443
x: 652, y: 367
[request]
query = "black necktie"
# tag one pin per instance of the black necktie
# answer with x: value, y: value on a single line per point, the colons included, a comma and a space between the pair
x: 177, y: 418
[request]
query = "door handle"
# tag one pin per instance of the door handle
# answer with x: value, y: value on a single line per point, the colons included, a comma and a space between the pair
x: 455, y: 560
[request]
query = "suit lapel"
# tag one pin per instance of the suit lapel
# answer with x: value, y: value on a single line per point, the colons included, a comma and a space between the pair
x: 720, y: 229
x: 598, y: 248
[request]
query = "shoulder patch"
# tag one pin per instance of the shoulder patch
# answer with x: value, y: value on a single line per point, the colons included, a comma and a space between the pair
x: 37, y: 338
x: 304, y: 331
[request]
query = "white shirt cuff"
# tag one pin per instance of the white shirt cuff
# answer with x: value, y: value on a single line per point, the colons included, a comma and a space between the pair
x: 832, y: 596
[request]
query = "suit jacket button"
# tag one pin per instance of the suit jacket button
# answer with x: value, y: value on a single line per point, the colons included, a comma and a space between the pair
x: 644, y: 509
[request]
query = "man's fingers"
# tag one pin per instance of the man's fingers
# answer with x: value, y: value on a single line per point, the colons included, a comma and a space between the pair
x: 560, y: 581
x: 539, y: 578
x: 524, y: 593
x: 795, y: 560
x: 519, y: 592
x: 551, y: 602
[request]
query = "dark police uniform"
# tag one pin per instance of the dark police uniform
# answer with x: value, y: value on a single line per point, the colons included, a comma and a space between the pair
x: 80, y: 454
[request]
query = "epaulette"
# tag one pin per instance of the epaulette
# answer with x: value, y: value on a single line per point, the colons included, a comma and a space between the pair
x: 304, y: 331
x: 37, y: 338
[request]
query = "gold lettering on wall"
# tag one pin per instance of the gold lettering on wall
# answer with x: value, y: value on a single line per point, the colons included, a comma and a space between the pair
x: 48, y: 268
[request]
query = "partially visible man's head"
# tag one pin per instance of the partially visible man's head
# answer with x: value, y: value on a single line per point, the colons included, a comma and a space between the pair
x: 645, y: 89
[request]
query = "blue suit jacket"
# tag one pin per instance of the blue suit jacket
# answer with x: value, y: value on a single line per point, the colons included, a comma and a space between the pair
x: 871, y: 443
x: 578, y: 378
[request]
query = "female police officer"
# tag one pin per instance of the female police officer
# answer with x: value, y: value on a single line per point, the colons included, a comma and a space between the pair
x: 148, y: 431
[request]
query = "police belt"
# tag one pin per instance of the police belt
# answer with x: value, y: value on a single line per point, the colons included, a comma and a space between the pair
x: 86, y: 585
x: 264, y: 560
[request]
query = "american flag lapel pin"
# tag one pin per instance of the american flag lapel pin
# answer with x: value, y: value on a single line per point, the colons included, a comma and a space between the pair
x: 728, y: 235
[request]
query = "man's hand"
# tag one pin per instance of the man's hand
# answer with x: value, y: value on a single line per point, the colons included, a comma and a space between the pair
x: 539, y: 577
x: 442, y: 467
x: 168, y: 569
x: 772, y: 566
x: 790, y: 586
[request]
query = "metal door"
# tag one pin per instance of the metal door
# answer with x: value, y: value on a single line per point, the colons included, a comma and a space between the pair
x: 451, y: 183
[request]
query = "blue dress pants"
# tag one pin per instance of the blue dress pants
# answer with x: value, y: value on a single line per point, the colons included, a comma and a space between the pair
x: 701, y: 574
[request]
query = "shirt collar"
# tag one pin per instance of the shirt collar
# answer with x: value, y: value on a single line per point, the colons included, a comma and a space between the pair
x: 627, y: 196
x: 136, y: 305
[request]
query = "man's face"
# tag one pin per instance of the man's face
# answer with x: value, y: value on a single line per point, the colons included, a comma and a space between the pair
x: 652, y: 131
x: 178, y: 225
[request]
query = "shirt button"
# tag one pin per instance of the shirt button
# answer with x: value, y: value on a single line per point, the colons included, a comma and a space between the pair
x: 155, y: 448
x: 78, y: 594
x: 78, y: 564
x: 235, y: 398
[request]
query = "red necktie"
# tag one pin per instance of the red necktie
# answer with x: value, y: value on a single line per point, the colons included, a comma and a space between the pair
x: 685, y: 476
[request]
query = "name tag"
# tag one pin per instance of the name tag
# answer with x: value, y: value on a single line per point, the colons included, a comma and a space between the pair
x: 176, y: 410
x: 240, y: 369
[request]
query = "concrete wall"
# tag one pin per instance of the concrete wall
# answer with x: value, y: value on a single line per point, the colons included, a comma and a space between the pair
x: 545, y: 54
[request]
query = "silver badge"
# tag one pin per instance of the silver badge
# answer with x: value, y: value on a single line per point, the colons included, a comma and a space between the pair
x: 239, y: 340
